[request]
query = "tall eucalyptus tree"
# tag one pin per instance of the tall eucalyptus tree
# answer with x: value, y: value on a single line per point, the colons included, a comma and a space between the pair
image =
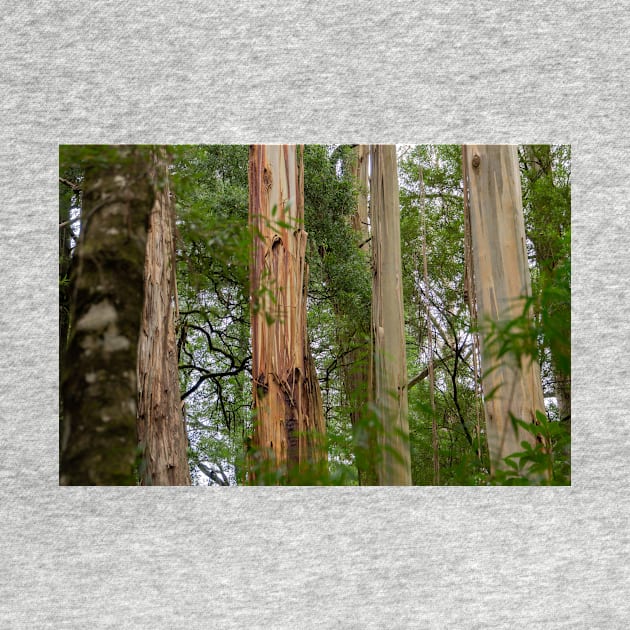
x: 389, y: 369
x: 512, y: 384
x: 162, y: 438
x: 289, y: 430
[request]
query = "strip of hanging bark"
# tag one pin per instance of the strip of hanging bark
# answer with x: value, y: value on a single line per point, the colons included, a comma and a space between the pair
x: 161, y: 431
x: 289, y: 435
x: 502, y: 281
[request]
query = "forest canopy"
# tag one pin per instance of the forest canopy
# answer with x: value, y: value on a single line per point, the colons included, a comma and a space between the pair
x: 315, y: 314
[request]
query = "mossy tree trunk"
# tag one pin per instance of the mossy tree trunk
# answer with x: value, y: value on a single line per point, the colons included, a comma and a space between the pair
x: 99, y: 386
x: 161, y: 431
x: 289, y: 434
x: 389, y: 371
x: 512, y: 387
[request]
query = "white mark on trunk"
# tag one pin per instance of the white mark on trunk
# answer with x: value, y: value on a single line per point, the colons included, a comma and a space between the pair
x: 90, y: 377
x: 131, y: 403
x: 89, y: 344
x: 98, y: 317
x: 113, y: 342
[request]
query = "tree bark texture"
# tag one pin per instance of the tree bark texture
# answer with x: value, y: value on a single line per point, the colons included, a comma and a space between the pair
x: 389, y: 370
x: 502, y: 280
x: 162, y: 437
x: 99, y: 387
x: 289, y: 435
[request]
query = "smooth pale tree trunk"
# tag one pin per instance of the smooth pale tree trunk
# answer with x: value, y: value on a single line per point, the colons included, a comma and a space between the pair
x: 99, y: 386
x: 289, y: 435
x: 389, y: 370
x: 501, y: 281
x: 161, y: 430
x: 539, y: 165
x: 356, y: 363
x: 469, y: 297
x: 360, y: 171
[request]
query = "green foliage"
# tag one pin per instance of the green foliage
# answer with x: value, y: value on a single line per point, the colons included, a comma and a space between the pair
x: 554, y: 297
x: 545, y: 463
x: 523, y: 337
x: 338, y: 268
x: 81, y: 156
x: 438, y: 216
x: 264, y: 471
x: 210, y: 183
x: 547, y: 202
x: 547, y: 205
x: 211, y: 188
x: 520, y: 340
x: 339, y: 301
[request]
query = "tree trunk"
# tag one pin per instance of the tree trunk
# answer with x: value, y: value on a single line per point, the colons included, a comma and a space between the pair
x: 359, y: 218
x: 289, y: 435
x: 355, y: 365
x: 389, y: 370
x: 99, y: 386
x: 161, y: 431
x: 502, y: 281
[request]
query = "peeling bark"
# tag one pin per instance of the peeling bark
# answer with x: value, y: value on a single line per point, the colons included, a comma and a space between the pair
x: 160, y: 424
x: 502, y: 280
x: 289, y: 427
x: 99, y: 388
x: 389, y: 371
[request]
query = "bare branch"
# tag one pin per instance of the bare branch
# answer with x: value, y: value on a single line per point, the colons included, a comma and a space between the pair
x: 213, y: 474
x: 70, y: 184
x: 420, y: 377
